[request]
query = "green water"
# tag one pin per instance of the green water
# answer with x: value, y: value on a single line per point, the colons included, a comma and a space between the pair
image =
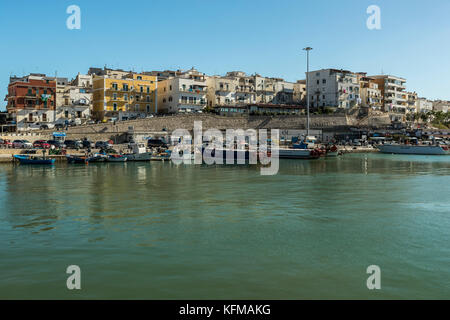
x: 160, y: 231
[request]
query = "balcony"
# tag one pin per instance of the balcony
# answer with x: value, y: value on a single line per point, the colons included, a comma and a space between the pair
x: 193, y: 90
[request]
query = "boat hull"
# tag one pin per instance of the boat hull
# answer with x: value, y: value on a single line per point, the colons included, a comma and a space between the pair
x: 410, y: 149
x: 297, y: 154
x: 30, y: 160
x: 147, y: 156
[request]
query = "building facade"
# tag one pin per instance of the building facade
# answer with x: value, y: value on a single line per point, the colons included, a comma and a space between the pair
x: 122, y: 95
x: 333, y: 88
x: 370, y: 93
x: 441, y: 106
x: 31, y: 100
x: 74, y: 100
x: 393, y: 95
x: 185, y: 92
x: 424, y: 105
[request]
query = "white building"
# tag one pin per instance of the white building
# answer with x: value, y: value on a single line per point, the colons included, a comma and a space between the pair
x: 424, y: 105
x: 74, y: 99
x: 185, y: 92
x: 442, y: 106
x: 333, y: 88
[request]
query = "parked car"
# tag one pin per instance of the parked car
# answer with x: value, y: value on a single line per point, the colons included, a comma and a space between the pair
x: 59, y: 126
x: 56, y: 143
x: 156, y: 143
x: 5, y: 143
x: 22, y: 144
x: 41, y: 144
x: 87, y: 144
x: 103, y: 145
x: 73, y: 144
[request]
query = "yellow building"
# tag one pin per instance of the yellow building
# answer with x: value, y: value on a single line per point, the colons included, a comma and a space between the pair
x: 124, y: 95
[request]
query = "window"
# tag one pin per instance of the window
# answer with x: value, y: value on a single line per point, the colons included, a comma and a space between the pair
x: 125, y: 87
x: 142, y: 89
x: 148, y: 89
x: 114, y: 96
x: 66, y: 114
x: 30, y: 91
x: 139, y: 78
x: 44, y: 117
x: 170, y: 99
x: 136, y: 107
x: 114, y: 86
x: 170, y: 87
x: 318, y: 81
x: 324, y: 81
x: 115, y: 106
x: 125, y: 97
x: 82, y: 90
x: 148, y: 108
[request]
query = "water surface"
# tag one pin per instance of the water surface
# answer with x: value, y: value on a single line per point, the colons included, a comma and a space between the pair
x: 160, y: 231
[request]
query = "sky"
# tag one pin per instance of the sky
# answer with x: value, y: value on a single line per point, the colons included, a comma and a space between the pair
x: 215, y: 36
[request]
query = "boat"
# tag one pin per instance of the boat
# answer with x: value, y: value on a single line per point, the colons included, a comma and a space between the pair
x: 98, y: 157
x: 288, y: 153
x: 76, y: 159
x: 139, y: 153
x: 33, y: 160
x: 116, y: 158
x: 414, y: 149
x: 332, y: 152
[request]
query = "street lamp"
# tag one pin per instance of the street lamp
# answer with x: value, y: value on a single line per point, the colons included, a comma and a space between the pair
x: 307, y: 49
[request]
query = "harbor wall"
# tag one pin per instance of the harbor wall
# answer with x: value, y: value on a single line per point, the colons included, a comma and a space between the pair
x: 118, y: 132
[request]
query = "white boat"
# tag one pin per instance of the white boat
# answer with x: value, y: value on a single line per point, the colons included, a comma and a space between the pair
x: 414, y: 149
x: 139, y: 153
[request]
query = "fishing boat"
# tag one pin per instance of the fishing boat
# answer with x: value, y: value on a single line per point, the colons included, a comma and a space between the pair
x: 76, y: 159
x: 98, y: 157
x: 139, y: 153
x: 332, y: 152
x: 116, y: 158
x: 288, y: 153
x: 33, y: 160
x: 414, y: 149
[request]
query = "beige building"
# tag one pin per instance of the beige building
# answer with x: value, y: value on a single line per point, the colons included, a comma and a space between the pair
x: 370, y: 93
x: 393, y: 95
x: 237, y: 88
x: 424, y: 105
x: 411, y: 102
x: 299, y: 96
x: 183, y: 91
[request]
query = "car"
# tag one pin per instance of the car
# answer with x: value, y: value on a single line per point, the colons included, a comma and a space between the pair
x: 5, y: 143
x: 56, y: 143
x: 59, y: 126
x: 41, y: 144
x: 86, y: 144
x: 103, y: 145
x: 73, y: 144
x: 156, y: 143
x: 22, y: 144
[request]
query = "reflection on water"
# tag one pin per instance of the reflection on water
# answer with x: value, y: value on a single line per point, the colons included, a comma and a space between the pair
x: 226, y: 231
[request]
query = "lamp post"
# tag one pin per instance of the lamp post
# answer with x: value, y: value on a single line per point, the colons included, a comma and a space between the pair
x: 307, y: 49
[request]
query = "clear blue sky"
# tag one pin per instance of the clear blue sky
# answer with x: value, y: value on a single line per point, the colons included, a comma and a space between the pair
x: 218, y: 36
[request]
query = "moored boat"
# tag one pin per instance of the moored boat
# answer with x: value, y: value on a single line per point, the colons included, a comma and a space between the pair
x: 287, y: 153
x: 34, y: 160
x: 139, y: 153
x: 76, y: 159
x: 414, y: 149
x: 116, y: 158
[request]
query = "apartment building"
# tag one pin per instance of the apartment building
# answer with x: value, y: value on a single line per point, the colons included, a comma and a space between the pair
x: 333, y: 88
x: 74, y: 99
x: 393, y: 93
x: 424, y: 105
x: 31, y: 99
x: 370, y: 93
x: 411, y: 102
x: 185, y: 91
x: 237, y: 88
x: 119, y: 94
